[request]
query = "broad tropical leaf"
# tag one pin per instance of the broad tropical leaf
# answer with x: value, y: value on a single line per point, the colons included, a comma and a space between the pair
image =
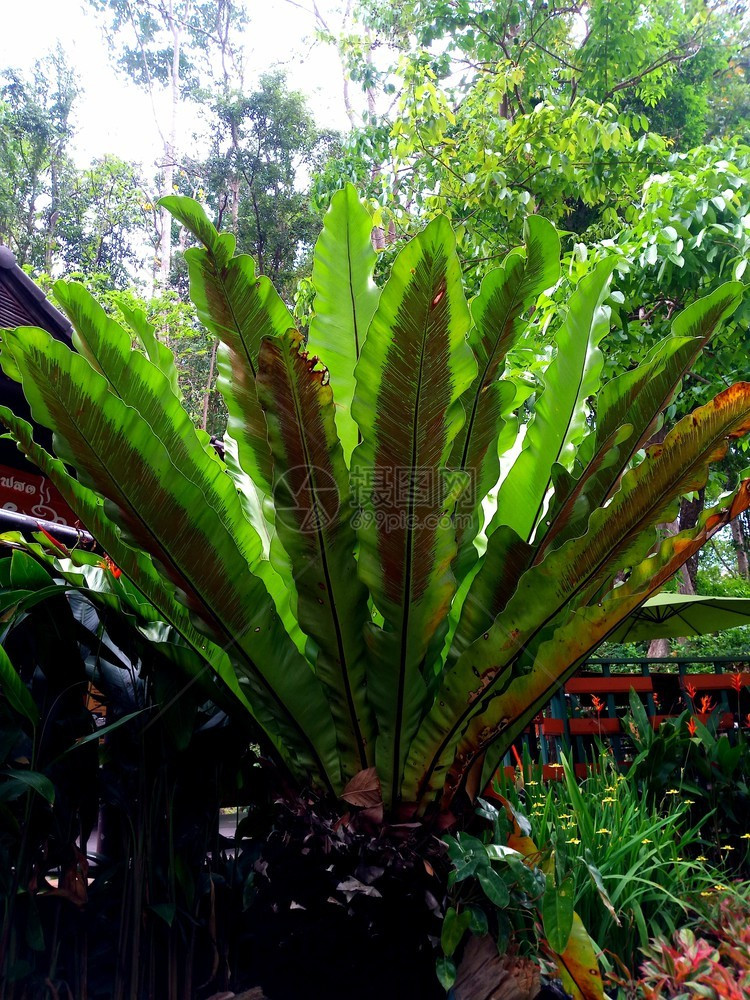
x: 413, y: 368
x: 498, y: 315
x: 629, y: 408
x: 158, y: 602
x: 618, y: 537
x: 207, y: 551
x: 15, y: 691
x: 240, y: 309
x: 345, y: 300
x: 400, y: 652
x: 156, y: 352
x: 314, y: 519
x: 556, y: 660
x: 578, y: 966
x: 559, y: 415
x: 134, y: 378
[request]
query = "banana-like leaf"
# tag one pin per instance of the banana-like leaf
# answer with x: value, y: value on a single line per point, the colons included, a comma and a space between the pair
x: 137, y: 381
x: 345, y: 300
x: 240, y: 309
x: 578, y: 966
x: 15, y: 691
x: 559, y: 417
x: 629, y: 409
x: 135, y: 564
x: 207, y: 551
x: 556, y: 659
x: 637, y: 398
x: 156, y: 352
x: 498, y: 315
x: 412, y: 371
x: 314, y: 520
x: 618, y: 537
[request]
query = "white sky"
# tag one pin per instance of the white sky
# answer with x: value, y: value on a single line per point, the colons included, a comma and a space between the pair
x: 114, y: 116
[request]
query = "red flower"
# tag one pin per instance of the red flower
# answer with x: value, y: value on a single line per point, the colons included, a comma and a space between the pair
x: 109, y: 565
x: 707, y: 706
x: 691, y: 689
x: 692, y: 726
x: 597, y: 704
x: 737, y: 682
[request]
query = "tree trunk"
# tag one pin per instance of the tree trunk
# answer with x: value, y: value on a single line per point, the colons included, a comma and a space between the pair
x: 170, y: 147
x: 690, y: 512
x: 738, y: 537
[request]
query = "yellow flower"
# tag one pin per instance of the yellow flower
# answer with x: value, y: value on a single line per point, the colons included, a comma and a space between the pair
x: 673, y: 791
x: 573, y: 840
x: 646, y: 840
x: 689, y: 802
x: 701, y: 857
x: 532, y: 782
x: 604, y: 830
x: 720, y: 888
x: 609, y: 798
x: 706, y: 894
x: 727, y: 847
x: 745, y: 836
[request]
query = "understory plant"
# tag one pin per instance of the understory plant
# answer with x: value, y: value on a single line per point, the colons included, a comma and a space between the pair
x: 384, y: 629
x: 515, y: 902
x: 709, y: 768
x: 711, y: 959
x: 637, y: 867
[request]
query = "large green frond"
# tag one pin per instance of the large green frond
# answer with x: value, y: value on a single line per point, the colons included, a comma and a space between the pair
x: 557, y: 658
x: 559, y: 419
x: 239, y: 308
x: 618, y: 537
x: 413, y: 368
x: 206, y: 550
x: 499, y: 319
x: 314, y: 520
x: 345, y: 300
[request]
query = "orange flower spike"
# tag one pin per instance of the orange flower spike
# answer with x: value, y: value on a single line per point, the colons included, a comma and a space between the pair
x: 597, y: 704
x: 707, y: 705
x: 691, y: 690
x: 692, y: 726
x: 737, y: 682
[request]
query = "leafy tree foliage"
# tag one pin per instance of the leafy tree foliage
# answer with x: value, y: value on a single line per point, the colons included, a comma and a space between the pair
x: 556, y: 52
x: 53, y: 215
x: 35, y: 168
x: 263, y: 143
x: 172, y: 44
